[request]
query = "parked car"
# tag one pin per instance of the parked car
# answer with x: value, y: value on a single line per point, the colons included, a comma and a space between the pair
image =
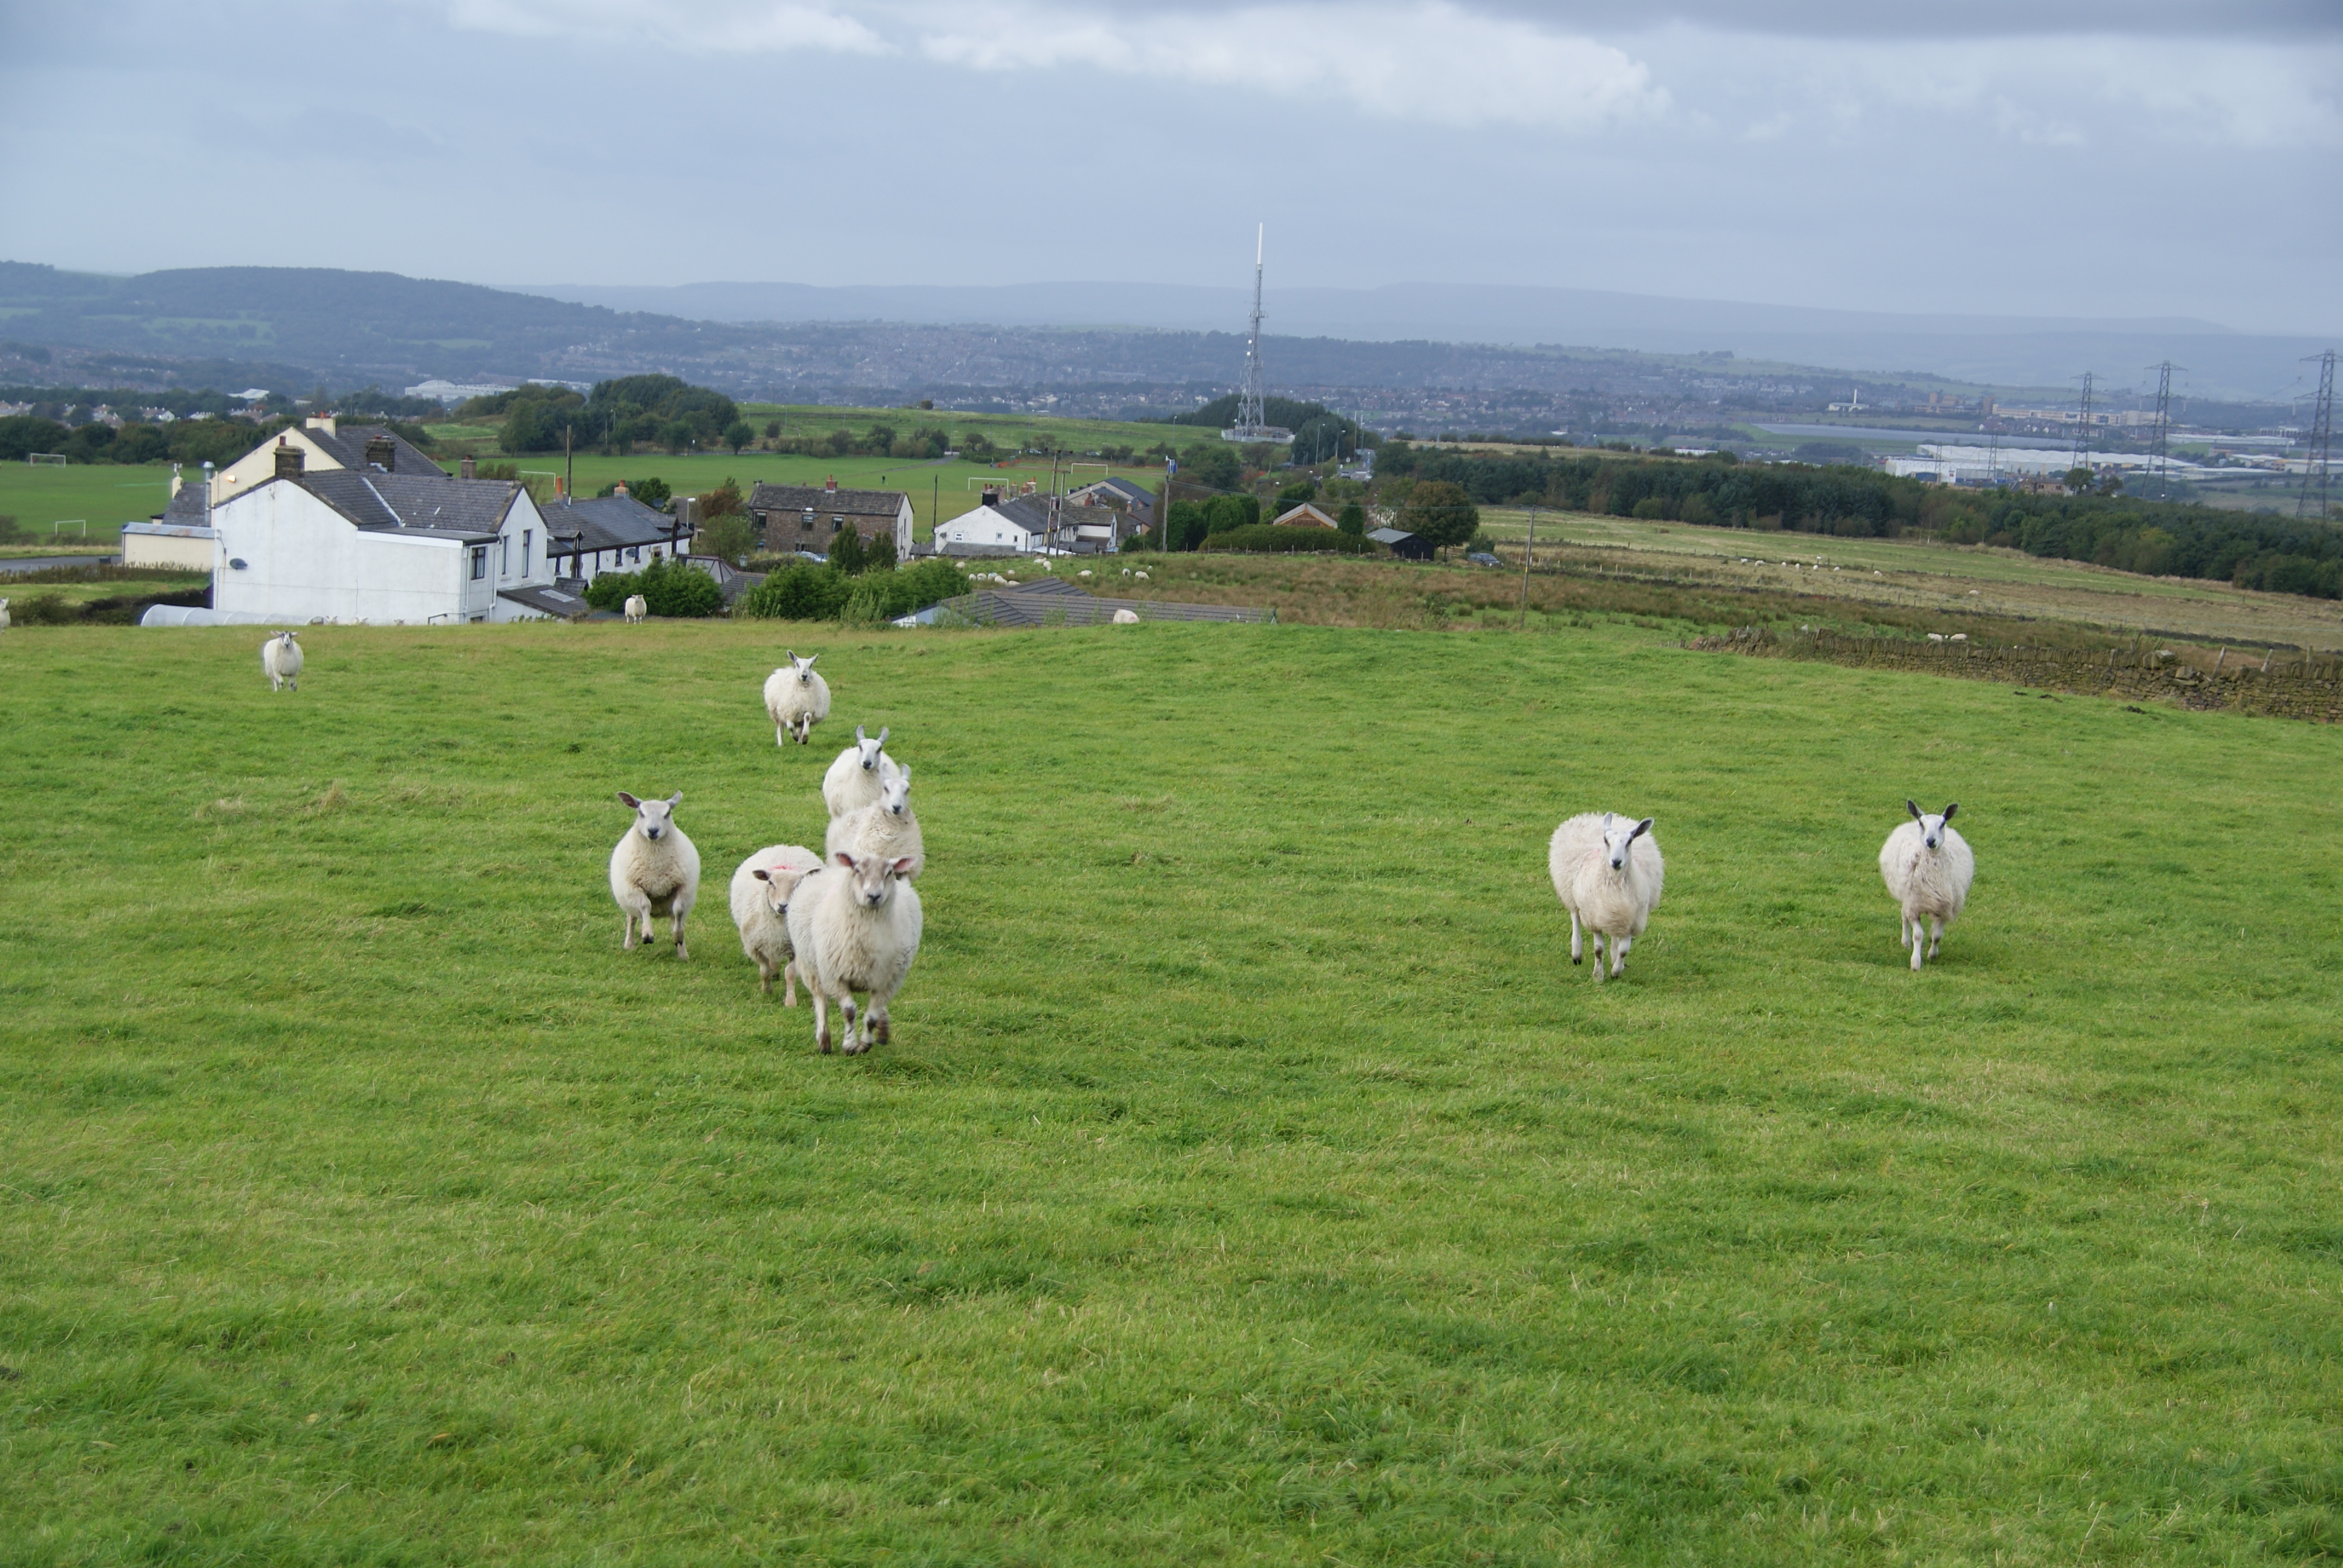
x: 1483, y: 558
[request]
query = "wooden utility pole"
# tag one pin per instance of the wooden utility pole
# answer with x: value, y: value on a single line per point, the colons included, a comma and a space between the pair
x: 1527, y: 550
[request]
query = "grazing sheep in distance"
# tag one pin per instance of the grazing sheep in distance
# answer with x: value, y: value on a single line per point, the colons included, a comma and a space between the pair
x: 655, y: 870
x: 4, y: 615
x: 280, y: 660
x: 1928, y: 869
x: 852, y: 781
x: 1609, y: 875
x: 796, y: 700
x: 760, y: 907
x: 888, y: 828
x: 1139, y: 575
x: 854, y: 926
x: 1126, y: 618
x: 636, y: 608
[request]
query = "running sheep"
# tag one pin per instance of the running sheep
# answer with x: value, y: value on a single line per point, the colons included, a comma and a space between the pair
x: 637, y: 607
x: 280, y: 660
x: 796, y: 700
x: 854, y: 926
x: 1608, y: 874
x: 889, y: 828
x: 1927, y: 869
x: 655, y: 871
x: 760, y: 907
x: 852, y: 781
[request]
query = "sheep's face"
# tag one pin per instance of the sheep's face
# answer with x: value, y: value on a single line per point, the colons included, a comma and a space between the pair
x: 780, y: 882
x: 654, y: 819
x: 1932, y: 828
x: 804, y: 668
x: 894, y: 788
x: 873, y: 876
x: 870, y: 747
x: 1616, y: 838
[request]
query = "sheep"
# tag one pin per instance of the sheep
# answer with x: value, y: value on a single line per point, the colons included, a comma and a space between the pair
x: 888, y: 828
x: 854, y: 926
x: 1126, y: 618
x: 796, y: 700
x: 280, y: 660
x: 760, y: 907
x: 852, y: 781
x: 637, y: 608
x: 1083, y: 573
x: 1139, y: 575
x: 1927, y: 869
x: 1608, y: 875
x: 4, y: 615
x: 655, y: 870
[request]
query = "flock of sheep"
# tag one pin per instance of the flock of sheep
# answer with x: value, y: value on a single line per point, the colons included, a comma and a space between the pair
x: 1608, y: 873
x: 848, y: 920
x: 845, y: 920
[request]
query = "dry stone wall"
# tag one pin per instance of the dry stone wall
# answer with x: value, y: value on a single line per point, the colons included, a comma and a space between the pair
x: 2304, y: 689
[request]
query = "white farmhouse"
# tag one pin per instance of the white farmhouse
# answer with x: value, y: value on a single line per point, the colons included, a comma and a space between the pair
x: 1031, y: 525
x: 613, y: 533
x: 326, y: 445
x: 349, y: 545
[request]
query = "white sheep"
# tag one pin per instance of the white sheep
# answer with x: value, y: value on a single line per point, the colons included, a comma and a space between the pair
x: 796, y: 700
x: 852, y: 781
x: 1083, y: 573
x: 280, y: 660
x: 637, y: 608
x: 655, y: 870
x: 1139, y: 575
x: 1927, y: 869
x: 760, y: 907
x: 854, y: 926
x: 1608, y: 874
x: 1126, y: 618
x: 4, y: 615
x: 888, y: 828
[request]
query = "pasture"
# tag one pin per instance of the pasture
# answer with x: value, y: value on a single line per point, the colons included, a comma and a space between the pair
x: 103, y: 495
x: 1250, y: 1177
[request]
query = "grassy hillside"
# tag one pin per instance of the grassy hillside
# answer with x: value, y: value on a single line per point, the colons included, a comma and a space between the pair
x: 1250, y: 1176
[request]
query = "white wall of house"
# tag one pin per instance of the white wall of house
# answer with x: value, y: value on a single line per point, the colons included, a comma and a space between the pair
x: 985, y: 526
x: 167, y: 544
x: 305, y: 561
x: 259, y: 465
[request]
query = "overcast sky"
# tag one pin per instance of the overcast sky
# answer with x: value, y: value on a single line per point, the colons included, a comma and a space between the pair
x: 2044, y: 157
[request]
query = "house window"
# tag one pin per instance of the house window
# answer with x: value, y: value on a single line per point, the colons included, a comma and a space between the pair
x: 503, y: 556
x: 480, y: 562
x: 527, y: 548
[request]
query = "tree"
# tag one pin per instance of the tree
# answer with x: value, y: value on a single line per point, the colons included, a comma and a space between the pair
x: 1353, y: 519
x: 845, y: 552
x: 1212, y: 464
x: 728, y: 536
x: 724, y: 500
x: 879, y: 556
x: 678, y: 435
x: 739, y: 434
x: 1439, y: 513
x: 772, y: 429
x: 2077, y: 480
x: 1295, y: 494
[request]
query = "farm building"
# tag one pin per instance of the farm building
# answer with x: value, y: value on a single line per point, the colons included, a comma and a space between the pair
x: 349, y: 546
x: 1034, y: 524
x: 613, y: 533
x: 326, y: 445
x: 1118, y: 494
x: 1305, y: 516
x: 803, y: 517
x: 1407, y: 547
x: 180, y: 535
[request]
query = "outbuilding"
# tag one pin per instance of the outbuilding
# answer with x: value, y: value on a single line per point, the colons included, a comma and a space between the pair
x: 1407, y: 547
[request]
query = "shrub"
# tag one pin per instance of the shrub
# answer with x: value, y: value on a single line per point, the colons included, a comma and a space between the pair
x: 678, y: 592
x: 1268, y: 537
x: 1354, y: 518
x: 805, y: 590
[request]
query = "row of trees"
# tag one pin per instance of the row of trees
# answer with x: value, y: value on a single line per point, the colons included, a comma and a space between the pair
x: 2253, y: 550
x: 617, y: 417
x: 184, y: 441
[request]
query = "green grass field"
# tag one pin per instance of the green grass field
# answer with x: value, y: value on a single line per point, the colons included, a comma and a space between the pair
x: 1250, y: 1177
x: 103, y: 495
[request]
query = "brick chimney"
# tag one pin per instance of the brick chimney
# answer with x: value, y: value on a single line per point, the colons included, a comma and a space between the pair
x: 829, y: 486
x: 988, y: 497
x: 288, y: 460
x: 323, y: 422
x: 470, y: 467
x: 619, y: 489
x: 381, y: 452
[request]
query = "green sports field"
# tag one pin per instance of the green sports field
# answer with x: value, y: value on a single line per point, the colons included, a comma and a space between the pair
x: 1250, y: 1177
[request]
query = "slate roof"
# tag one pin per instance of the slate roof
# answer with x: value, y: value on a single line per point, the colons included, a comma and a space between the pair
x: 188, y: 507
x: 440, y: 508
x: 348, y: 444
x: 1389, y: 535
x: 604, y: 523
x: 768, y: 498
x: 553, y: 601
x: 1138, y: 497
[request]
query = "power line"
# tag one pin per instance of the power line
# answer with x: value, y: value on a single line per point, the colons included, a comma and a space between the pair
x: 2322, y: 433
x: 2160, y: 461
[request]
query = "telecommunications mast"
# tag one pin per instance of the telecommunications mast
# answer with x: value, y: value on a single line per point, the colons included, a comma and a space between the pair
x: 1252, y: 416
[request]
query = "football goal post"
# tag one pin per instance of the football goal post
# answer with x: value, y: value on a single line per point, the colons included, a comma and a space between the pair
x: 58, y: 527
x: 45, y: 459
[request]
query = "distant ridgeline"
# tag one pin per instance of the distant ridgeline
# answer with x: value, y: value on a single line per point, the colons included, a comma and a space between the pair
x: 2252, y: 550
x: 1314, y: 426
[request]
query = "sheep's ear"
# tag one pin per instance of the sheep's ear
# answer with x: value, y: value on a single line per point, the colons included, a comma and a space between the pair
x: 791, y: 654
x: 1914, y: 806
x: 903, y: 772
x: 844, y: 859
x: 809, y: 658
x: 675, y: 799
x: 858, y: 732
x: 1641, y: 828
x: 902, y: 867
x: 1950, y: 809
x: 631, y: 801
x: 761, y: 875
x: 883, y: 735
